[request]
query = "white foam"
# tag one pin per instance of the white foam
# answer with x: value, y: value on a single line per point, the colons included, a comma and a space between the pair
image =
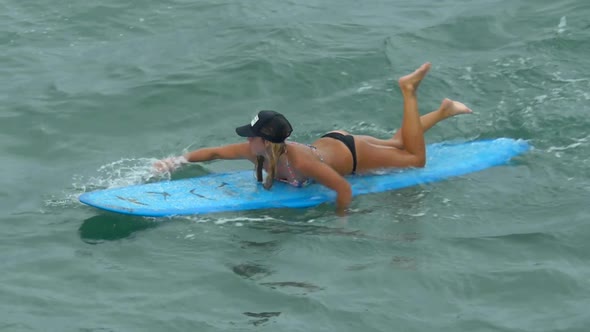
x: 540, y: 99
x: 562, y: 148
x: 562, y: 25
x: 557, y: 77
x: 67, y: 200
x: 365, y: 86
x: 578, y: 142
x: 467, y: 75
x: 238, y: 221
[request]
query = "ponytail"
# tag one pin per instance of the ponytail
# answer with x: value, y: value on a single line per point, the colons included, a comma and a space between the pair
x: 259, y: 166
x: 276, y: 150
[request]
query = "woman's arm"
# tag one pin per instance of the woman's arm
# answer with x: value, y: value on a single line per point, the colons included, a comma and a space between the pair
x: 328, y: 177
x: 231, y: 151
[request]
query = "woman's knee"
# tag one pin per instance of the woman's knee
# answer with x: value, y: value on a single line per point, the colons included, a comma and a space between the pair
x: 419, y: 161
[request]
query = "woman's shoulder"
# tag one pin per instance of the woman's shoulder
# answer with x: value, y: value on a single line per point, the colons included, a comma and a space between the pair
x: 296, y: 147
x: 294, y: 143
x: 300, y: 153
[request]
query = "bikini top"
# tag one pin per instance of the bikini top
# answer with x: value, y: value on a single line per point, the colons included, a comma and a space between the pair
x: 301, y: 182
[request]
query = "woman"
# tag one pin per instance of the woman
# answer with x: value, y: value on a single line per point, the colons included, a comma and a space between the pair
x: 335, y: 154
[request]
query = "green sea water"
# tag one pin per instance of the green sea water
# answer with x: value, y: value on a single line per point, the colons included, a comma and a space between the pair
x: 93, y: 92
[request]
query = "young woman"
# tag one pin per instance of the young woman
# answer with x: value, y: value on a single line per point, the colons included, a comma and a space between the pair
x: 335, y: 154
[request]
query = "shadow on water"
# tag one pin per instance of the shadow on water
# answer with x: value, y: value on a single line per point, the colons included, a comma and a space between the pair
x: 261, y: 317
x: 251, y: 270
x: 305, y: 229
x: 257, y: 272
x: 342, y: 229
x: 110, y: 227
x: 305, y: 286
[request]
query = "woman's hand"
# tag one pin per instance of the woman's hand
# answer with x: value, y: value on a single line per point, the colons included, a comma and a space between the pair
x: 343, y: 202
x: 169, y: 164
x: 231, y: 151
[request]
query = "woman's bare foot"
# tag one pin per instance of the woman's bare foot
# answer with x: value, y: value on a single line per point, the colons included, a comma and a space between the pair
x: 410, y: 82
x: 451, y: 108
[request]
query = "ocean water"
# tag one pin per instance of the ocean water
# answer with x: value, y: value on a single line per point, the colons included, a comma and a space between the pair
x: 93, y: 92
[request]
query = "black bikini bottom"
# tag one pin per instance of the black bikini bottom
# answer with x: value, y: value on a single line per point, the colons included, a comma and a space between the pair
x: 348, y: 140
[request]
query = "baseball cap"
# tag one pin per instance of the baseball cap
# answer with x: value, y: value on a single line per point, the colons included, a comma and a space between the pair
x: 270, y: 125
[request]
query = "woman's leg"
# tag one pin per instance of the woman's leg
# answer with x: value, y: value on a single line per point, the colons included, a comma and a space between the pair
x: 412, y: 131
x: 371, y: 156
x: 447, y: 109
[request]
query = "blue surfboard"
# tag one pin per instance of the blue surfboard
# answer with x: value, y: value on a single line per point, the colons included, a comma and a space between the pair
x: 235, y: 191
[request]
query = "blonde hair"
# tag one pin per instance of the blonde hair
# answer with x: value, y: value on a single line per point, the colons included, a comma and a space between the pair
x: 276, y: 151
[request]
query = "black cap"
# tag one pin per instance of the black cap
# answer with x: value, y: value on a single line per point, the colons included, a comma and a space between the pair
x: 270, y: 125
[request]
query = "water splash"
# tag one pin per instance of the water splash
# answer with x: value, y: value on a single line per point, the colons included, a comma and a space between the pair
x: 124, y: 172
x: 120, y: 173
